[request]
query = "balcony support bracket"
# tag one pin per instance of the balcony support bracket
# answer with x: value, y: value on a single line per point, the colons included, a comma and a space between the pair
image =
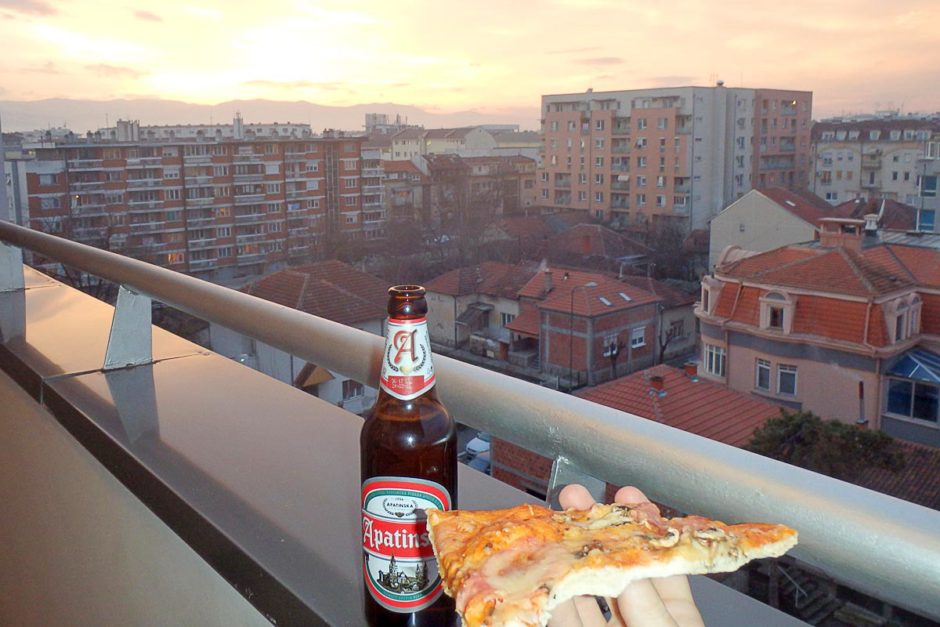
x: 131, y: 340
x: 564, y: 472
x: 11, y: 268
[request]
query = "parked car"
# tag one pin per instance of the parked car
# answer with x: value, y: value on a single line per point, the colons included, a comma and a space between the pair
x: 479, y: 444
x: 481, y: 462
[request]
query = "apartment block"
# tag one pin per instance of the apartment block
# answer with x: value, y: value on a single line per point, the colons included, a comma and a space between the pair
x: 218, y: 208
x: 684, y: 153
x: 874, y: 158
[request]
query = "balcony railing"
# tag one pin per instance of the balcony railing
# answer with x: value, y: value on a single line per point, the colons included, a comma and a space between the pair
x: 875, y: 543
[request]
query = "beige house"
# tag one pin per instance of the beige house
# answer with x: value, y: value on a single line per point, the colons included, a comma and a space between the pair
x: 470, y: 307
x: 764, y: 219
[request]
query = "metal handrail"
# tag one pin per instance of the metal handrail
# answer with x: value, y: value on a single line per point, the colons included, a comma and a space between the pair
x: 876, y: 543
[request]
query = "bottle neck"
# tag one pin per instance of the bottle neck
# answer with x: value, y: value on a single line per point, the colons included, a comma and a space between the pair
x: 407, y: 365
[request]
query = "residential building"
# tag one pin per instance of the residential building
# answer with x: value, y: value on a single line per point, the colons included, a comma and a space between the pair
x: 328, y: 289
x: 767, y: 218
x: 874, y: 158
x: 595, y: 246
x: 665, y: 394
x: 584, y: 327
x: 407, y: 191
x: 132, y: 131
x: 891, y: 214
x: 681, y: 153
x: 847, y: 327
x: 677, y: 322
x: 522, y: 143
x: 466, y: 142
x: 472, y: 306
x: 470, y: 141
x: 374, y: 212
x: 218, y: 208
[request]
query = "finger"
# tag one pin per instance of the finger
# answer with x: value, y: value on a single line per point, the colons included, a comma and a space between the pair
x: 628, y: 495
x: 640, y: 605
x: 565, y: 615
x: 576, y: 496
x: 677, y: 597
x: 589, y: 612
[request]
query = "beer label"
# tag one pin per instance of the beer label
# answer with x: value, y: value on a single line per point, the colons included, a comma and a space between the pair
x: 407, y: 368
x: 397, y: 559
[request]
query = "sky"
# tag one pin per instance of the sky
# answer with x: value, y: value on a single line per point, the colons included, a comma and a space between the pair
x: 490, y: 56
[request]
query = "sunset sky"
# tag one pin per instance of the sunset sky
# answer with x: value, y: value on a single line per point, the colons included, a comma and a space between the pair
x: 491, y: 56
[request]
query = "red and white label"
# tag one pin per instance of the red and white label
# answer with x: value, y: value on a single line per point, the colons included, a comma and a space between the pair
x: 398, y: 562
x: 407, y: 367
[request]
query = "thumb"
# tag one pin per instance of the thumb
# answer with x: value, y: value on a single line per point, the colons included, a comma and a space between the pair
x: 641, y: 606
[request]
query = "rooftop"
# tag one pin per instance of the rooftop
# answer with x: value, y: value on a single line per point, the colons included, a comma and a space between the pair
x: 490, y: 278
x: 329, y: 289
x: 686, y: 402
x: 803, y: 204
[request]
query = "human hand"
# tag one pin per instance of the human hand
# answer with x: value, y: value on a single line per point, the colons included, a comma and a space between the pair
x: 660, y: 602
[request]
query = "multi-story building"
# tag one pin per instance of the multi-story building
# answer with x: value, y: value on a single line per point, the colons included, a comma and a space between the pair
x: 873, y: 158
x: 680, y: 152
x: 847, y: 327
x: 219, y: 208
x: 374, y: 213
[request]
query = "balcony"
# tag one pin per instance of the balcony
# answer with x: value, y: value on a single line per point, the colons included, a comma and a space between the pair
x: 147, y: 227
x: 247, y: 238
x: 203, y: 264
x: 200, y: 202
x: 144, y: 183
x: 249, y: 199
x: 250, y: 259
x: 141, y: 485
x: 250, y: 218
x: 86, y: 186
x: 252, y: 158
x: 85, y: 164
x: 249, y: 178
x: 196, y: 159
x: 201, y: 244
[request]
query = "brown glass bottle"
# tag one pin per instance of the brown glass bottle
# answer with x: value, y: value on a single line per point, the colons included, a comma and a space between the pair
x: 408, y: 448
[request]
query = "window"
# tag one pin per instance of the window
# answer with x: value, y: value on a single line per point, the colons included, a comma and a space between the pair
x: 714, y: 358
x: 927, y: 219
x: 223, y: 231
x: 640, y: 200
x: 762, y: 375
x: 786, y: 380
x: 171, y: 194
x: 598, y: 162
x: 638, y: 337
x: 641, y: 181
x: 48, y: 179
x: 913, y: 400
x: 660, y: 201
x: 598, y: 179
x: 928, y: 188
x: 598, y: 196
x: 352, y: 389
x: 599, y: 143
x: 776, y: 312
x: 662, y: 123
x: 599, y: 125
x: 641, y: 124
x: 50, y: 202
x: 506, y: 318
x: 641, y: 162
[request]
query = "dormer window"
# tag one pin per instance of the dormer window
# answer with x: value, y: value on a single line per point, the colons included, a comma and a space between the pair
x: 776, y: 312
x: 711, y: 288
x: 903, y: 317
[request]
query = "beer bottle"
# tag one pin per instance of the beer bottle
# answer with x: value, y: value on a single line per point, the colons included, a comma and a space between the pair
x: 408, y: 447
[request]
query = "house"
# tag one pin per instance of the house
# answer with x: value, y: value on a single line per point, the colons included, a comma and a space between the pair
x: 677, y: 323
x: 764, y: 219
x: 598, y: 247
x: 891, y: 213
x: 847, y: 327
x: 471, y: 306
x: 584, y: 327
x: 328, y: 289
x: 671, y: 396
x: 407, y: 193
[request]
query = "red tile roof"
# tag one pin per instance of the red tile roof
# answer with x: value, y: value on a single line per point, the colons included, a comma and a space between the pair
x: 839, y: 270
x: 490, y: 278
x: 672, y: 296
x: 586, y: 300
x: 528, y: 322
x: 704, y: 408
x: 894, y: 215
x: 803, y: 204
x: 916, y: 482
x: 595, y: 240
x: 328, y: 289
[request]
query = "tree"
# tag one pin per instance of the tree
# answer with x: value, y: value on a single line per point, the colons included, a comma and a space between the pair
x: 829, y: 447
x: 670, y: 260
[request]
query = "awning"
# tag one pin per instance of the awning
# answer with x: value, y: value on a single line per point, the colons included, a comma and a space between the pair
x: 473, y: 313
x: 526, y: 323
x: 919, y: 365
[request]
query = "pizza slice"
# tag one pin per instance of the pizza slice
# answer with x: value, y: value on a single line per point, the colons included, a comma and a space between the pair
x: 513, y: 566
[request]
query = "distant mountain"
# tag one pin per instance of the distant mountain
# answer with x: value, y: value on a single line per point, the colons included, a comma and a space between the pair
x: 84, y: 115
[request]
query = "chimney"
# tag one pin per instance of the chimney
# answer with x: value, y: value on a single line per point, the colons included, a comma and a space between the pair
x: 547, y: 285
x: 841, y: 233
x: 691, y: 370
x: 871, y: 224
x: 657, y: 382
